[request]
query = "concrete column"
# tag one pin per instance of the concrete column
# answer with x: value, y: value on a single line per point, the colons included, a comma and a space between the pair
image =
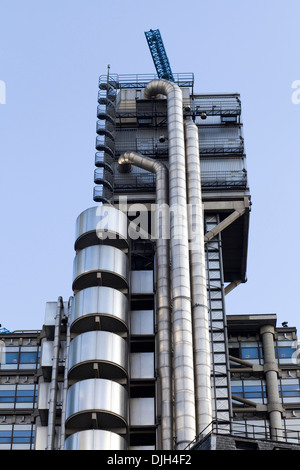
x: 271, y: 371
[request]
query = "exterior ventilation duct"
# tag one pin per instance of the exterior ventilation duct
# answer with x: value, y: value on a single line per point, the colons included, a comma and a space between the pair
x: 162, y: 291
x: 54, y: 375
x: 198, y: 282
x: 185, y: 425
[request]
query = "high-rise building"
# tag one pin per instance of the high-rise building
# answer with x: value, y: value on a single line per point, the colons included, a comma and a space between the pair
x: 142, y: 355
x: 165, y: 271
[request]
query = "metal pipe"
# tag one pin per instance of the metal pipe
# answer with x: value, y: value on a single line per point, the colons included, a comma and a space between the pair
x: 162, y: 291
x: 271, y: 369
x: 65, y: 386
x: 200, y: 314
x: 184, y: 388
x: 53, y: 383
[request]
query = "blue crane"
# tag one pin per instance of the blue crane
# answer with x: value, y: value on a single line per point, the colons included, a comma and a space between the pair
x: 159, y: 54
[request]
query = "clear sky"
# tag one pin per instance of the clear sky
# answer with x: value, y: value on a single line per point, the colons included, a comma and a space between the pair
x: 51, y: 54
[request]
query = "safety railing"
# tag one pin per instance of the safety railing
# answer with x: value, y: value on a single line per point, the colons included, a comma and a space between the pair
x: 246, y: 430
x: 209, y: 180
x: 142, y: 80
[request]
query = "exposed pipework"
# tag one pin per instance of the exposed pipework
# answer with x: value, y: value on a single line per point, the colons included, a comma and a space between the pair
x: 53, y: 384
x: 162, y: 292
x: 65, y: 386
x: 271, y: 370
x: 202, y: 363
x: 185, y: 425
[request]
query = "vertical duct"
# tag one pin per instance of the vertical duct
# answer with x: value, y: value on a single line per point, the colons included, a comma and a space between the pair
x: 271, y: 370
x: 202, y: 364
x: 185, y: 426
x: 162, y: 290
x: 65, y: 382
x: 54, y: 375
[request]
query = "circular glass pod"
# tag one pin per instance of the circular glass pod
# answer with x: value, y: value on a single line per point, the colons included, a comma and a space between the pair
x: 98, y: 353
x: 95, y: 439
x: 100, y: 400
x: 99, y: 307
x: 100, y: 265
x: 101, y: 225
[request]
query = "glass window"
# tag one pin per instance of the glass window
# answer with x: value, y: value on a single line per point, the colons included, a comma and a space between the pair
x: 22, y: 436
x: 11, y: 357
x: 289, y: 389
x: 7, y: 396
x: 285, y: 351
x: 26, y: 394
x: 16, y: 435
x: 237, y: 390
x: 249, y: 353
x: 5, y: 436
x: 28, y: 357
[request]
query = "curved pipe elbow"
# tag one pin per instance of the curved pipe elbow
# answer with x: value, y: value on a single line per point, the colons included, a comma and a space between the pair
x: 148, y: 164
x: 159, y: 87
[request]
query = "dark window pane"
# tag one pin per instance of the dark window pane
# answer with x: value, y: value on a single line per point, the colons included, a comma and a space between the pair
x: 28, y: 357
x: 285, y: 352
x: 19, y: 440
x: 5, y: 433
x: 250, y: 353
x: 25, y: 433
x: 7, y: 399
x: 11, y: 357
x: 25, y: 393
x: 6, y: 393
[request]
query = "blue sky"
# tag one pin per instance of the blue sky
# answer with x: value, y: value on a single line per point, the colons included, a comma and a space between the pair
x: 51, y: 54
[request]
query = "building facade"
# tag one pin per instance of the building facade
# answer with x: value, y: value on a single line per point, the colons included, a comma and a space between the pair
x: 142, y: 355
x: 264, y: 377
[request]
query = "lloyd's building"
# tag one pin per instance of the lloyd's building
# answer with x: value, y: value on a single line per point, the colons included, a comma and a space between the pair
x: 147, y: 343
x: 143, y: 355
x: 147, y: 317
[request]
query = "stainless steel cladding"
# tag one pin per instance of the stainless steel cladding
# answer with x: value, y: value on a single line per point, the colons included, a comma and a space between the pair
x: 95, y: 439
x: 184, y: 391
x: 162, y: 291
x: 99, y: 305
x: 98, y: 352
x: 200, y: 314
x: 99, y: 330
x: 100, y: 264
x: 91, y: 400
x: 99, y: 223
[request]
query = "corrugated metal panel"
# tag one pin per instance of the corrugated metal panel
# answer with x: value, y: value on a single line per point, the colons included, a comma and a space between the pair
x: 222, y: 164
x: 222, y: 132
